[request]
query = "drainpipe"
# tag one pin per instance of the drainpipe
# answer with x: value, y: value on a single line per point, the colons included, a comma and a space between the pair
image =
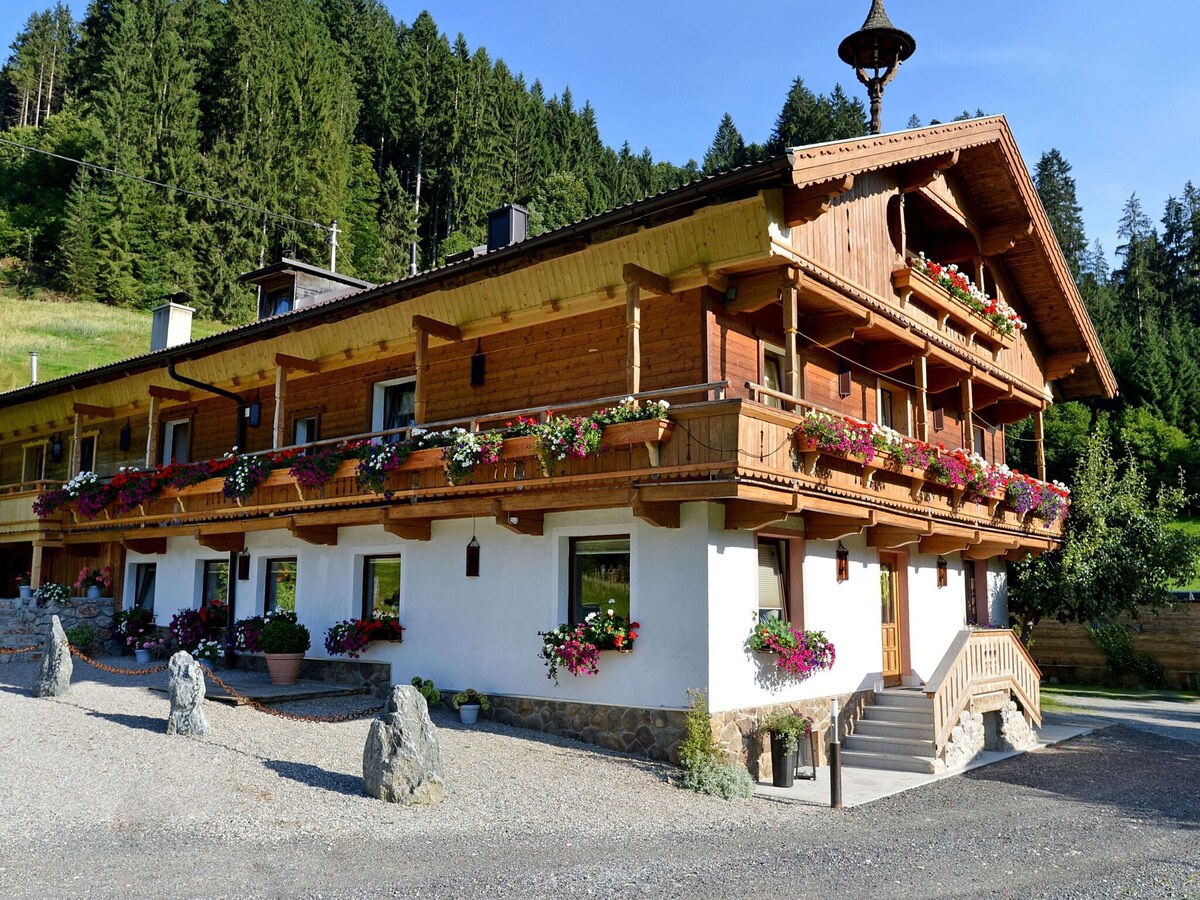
x: 241, y: 404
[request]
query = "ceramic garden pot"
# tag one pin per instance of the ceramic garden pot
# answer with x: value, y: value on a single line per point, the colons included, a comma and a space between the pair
x: 284, y: 668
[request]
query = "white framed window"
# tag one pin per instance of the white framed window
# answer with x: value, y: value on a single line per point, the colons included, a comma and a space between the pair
x: 381, y: 585
x: 600, y: 570
x: 892, y: 407
x: 773, y: 370
x: 279, y: 585
x: 304, y: 430
x: 144, y: 577
x: 772, y: 580
x: 979, y: 440
x: 177, y: 441
x: 85, y: 452
x: 33, y: 461
x: 393, y: 404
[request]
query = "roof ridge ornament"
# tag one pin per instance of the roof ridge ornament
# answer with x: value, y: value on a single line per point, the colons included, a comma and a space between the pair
x: 879, y: 46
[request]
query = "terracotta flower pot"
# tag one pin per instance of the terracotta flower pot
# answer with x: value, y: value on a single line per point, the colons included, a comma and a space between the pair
x: 284, y: 668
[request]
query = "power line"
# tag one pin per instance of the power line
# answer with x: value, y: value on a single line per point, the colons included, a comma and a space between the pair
x: 169, y: 187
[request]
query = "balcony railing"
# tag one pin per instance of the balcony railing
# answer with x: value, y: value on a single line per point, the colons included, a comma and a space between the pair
x: 16, y: 507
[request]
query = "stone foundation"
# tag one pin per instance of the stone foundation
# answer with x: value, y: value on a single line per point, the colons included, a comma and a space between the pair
x: 23, y: 622
x: 375, y: 675
x: 967, y: 741
x: 737, y: 729
x: 656, y: 733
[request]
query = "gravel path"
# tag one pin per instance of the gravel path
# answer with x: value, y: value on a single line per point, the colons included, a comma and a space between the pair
x: 96, y: 801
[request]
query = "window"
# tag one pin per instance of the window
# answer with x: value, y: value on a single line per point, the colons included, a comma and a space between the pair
x: 381, y: 586
x: 771, y: 584
x: 939, y: 418
x: 279, y: 590
x: 144, y: 576
x: 176, y: 441
x: 772, y: 375
x: 276, y: 302
x: 599, y: 573
x: 87, y: 454
x: 393, y: 405
x: 34, y: 465
x: 214, y: 584
x: 304, y: 430
x: 969, y: 581
x: 886, y: 414
x: 980, y: 442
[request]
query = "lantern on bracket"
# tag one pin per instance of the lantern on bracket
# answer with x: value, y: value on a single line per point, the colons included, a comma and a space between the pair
x: 941, y: 571
x: 843, y: 563
x: 473, y: 554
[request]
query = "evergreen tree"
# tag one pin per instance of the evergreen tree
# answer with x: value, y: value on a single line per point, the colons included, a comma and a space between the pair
x: 1056, y: 188
x: 727, y: 151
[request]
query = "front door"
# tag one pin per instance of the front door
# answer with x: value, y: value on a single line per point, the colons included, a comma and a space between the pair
x: 889, y: 592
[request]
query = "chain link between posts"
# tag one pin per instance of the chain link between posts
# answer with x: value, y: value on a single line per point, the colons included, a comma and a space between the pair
x: 30, y: 649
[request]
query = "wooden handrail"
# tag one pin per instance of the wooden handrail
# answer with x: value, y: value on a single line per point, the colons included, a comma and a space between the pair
x: 981, y: 662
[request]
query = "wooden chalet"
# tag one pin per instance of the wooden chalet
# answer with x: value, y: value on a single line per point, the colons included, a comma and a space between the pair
x: 750, y: 301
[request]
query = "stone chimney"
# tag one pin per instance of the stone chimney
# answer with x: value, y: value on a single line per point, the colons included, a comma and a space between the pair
x: 172, y: 326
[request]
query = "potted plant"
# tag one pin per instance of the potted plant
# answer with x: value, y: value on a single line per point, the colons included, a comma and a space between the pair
x: 144, y: 648
x: 469, y: 703
x: 428, y: 689
x: 24, y: 588
x: 284, y: 641
x: 93, y: 580
x: 51, y: 592
x: 131, y: 626
x: 786, y: 729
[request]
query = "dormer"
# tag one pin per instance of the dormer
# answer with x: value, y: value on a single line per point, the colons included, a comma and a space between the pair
x: 288, y: 285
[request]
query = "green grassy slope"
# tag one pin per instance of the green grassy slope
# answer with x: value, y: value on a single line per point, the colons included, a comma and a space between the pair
x: 70, y: 337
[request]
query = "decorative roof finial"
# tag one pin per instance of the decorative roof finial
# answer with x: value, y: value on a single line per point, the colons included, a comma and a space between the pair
x: 879, y: 46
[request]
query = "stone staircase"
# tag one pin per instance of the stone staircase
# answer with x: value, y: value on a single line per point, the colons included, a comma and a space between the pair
x: 895, y: 732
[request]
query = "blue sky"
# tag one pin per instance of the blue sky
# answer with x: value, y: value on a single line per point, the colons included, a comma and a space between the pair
x: 660, y: 73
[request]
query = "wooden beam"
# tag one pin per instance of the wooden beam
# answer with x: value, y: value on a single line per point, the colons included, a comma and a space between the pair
x: 664, y: 515
x: 408, y: 529
x: 95, y: 412
x: 1060, y: 365
x: 519, y: 521
x: 792, y: 367
x: 886, y: 358
x: 283, y: 361
x: 812, y: 201
x: 892, y: 537
x: 1039, y: 435
x: 316, y: 534
x: 752, y: 515
x: 438, y: 329
x: 633, y: 337
x: 421, y: 388
x: 76, y: 434
x: 923, y: 172
x: 1002, y: 238
x: 968, y: 414
x: 827, y: 331
x: 651, y: 281
x: 945, y: 541
x: 921, y: 380
x: 827, y: 527
x: 990, y: 548
x: 152, y: 434
x: 166, y: 393
x: 224, y: 541
x: 280, y: 396
x: 145, y: 545
x: 82, y: 549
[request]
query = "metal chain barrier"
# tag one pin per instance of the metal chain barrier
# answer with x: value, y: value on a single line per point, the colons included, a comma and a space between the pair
x: 263, y: 708
x: 30, y: 649
x: 153, y: 670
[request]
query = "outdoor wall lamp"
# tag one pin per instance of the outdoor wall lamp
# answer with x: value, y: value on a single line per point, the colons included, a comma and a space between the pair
x: 56, y: 449
x: 941, y: 572
x: 843, y: 563
x: 126, y: 437
x: 243, y: 565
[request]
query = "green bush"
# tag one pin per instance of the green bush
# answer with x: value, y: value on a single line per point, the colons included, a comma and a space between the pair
x: 283, y: 634
x: 1115, y: 642
x: 699, y: 745
x: 80, y: 636
x: 724, y: 780
x: 425, y: 685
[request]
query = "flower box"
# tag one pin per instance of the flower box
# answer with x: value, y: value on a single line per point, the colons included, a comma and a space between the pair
x: 911, y: 282
x: 422, y: 459
x: 519, y: 447
x: 646, y: 431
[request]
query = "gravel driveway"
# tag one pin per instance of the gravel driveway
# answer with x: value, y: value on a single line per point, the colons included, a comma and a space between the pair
x: 96, y: 801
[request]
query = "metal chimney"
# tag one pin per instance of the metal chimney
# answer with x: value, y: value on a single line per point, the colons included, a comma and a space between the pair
x: 33, y: 375
x: 506, y: 225
x: 172, y: 325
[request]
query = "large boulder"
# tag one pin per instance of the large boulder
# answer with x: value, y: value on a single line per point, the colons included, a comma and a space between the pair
x: 402, y: 761
x: 54, y: 672
x: 186, y: 692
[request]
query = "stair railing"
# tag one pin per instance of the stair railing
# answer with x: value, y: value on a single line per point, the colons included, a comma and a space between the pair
x: 977, y: 663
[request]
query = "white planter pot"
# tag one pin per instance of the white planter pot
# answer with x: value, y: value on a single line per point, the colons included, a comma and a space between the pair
x: 142, y: 656
x: 25, y: 591
x: 468, y: 713
x: 93, y: 592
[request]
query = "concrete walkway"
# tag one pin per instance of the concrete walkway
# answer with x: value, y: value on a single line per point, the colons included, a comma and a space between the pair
x: 1174, y: 718
x: 861, y: 786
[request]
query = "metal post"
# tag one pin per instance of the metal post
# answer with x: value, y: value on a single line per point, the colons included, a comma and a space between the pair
x: 333, y: 247
x: 835, y: 760
x: 33, y: 372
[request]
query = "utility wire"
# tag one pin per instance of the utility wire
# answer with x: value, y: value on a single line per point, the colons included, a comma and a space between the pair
x: 169, y: 187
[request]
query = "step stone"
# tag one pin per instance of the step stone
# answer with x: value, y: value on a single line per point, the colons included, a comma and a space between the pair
x: 890, y: 745
x: 925, y: 765
x: 898, y: 716
x: 922, y: 732
x: 904, y: 699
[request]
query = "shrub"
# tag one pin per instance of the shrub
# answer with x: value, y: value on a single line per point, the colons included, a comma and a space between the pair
x: 699, y: 743
x: 471, y: 696
x: 705, y: 769
x: 425, y: 685
x: 80, y: 636
x: 281, y: 633
x: 724, y: 780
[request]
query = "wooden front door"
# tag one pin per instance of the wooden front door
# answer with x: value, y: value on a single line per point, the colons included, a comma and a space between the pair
x: 889, y: 595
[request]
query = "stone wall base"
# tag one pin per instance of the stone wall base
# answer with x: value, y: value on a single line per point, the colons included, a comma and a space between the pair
x: 737, y: 729
x: 656, y: 733
x: 23, y: 623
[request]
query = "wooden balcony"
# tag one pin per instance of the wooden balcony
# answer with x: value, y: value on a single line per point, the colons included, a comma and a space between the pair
x: 741, y: 453
x: 17, y: 519
x: 953, y: 317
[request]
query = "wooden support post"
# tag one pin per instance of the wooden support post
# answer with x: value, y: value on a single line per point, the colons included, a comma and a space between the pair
x: 421, y: 395
x: 280, y: 394
x: 921, y: 378
x: 152, y: 434
x: 76, y: 435
x: 968, y: 415
x: 35, y: 566
x: 791, y: 355
x: 1039, y: 435
x: 633, y: 338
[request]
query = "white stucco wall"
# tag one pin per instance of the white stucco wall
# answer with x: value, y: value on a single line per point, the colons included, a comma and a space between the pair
x: 997, y: 592
x: 935, y: 615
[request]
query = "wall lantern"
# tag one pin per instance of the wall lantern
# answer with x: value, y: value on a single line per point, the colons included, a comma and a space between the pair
x: 478, y: 361
x: 843, y: 563
x: 254, y: 412
x: 843, y: 379
x: 473, y: 554
x: 939, y: 418
x: 243, y: 565
x: 941, y: 571
x: 56, y: 448
x: 126, y: 438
